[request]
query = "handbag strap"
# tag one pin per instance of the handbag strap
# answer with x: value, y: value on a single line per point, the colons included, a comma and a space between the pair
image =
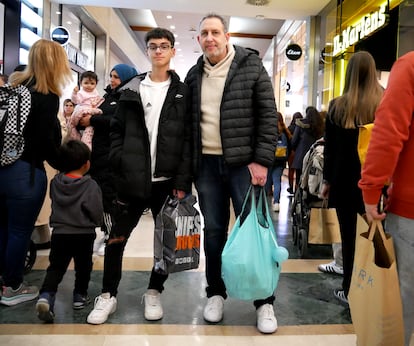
x: 376, y: 225
x: 263, y: 214
x: 249, y: 193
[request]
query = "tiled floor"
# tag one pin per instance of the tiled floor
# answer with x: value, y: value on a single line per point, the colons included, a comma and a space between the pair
x: 307, y: 312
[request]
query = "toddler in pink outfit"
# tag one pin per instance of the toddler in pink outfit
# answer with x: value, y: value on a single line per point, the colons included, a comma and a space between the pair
x: 87, y: 100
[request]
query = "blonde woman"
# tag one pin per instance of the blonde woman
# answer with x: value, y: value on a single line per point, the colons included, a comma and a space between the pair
x: 342, y: 169
x: 24, y: 182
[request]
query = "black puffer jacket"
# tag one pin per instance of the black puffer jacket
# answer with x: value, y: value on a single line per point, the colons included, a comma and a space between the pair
x: 130, y: 147
x: 248, y: 119
x: 101, y: 170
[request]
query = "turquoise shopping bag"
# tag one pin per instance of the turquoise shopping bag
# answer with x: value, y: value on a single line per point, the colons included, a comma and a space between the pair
x: 251, y: 258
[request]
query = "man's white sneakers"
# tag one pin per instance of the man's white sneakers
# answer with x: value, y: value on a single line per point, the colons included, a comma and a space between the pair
x: 266, y: 320
x: 213, y: 311
x: 103, y: 307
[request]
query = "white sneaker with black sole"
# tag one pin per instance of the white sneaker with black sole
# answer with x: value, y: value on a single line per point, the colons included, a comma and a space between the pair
x: 331, y: 268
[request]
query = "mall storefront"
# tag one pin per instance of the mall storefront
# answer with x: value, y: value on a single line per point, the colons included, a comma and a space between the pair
x: 383, y: 28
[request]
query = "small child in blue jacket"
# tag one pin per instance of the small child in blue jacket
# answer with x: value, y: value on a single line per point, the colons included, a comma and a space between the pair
x: 76, y: 210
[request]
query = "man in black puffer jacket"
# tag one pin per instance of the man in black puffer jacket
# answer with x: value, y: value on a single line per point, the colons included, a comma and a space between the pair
x: 234, y: 139
x: 151, y: 159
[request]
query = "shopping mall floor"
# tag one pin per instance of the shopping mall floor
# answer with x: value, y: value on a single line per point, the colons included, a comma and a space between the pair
x: 306, y: 309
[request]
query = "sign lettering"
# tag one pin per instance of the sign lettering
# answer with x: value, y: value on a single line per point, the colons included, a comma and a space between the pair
x: 364, y: 27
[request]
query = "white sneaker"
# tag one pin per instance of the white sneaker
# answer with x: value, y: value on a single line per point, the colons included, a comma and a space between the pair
x: 275, y: 206
x: 266, y: 320
x: 331, y: 268
x: 153, y: 308
x: 104, y: 306
x: 213, y: 311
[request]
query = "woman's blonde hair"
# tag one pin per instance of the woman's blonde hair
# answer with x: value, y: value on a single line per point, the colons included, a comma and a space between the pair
x: 362, y: 92
x: 48, y: 68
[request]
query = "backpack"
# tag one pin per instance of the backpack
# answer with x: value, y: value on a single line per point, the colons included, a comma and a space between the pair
x: 282, y: 150
x: 15, y: 103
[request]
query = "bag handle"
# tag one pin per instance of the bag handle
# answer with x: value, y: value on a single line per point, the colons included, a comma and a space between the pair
x: 373, y: 227
x: 249, y: 194
x: 263, y: 214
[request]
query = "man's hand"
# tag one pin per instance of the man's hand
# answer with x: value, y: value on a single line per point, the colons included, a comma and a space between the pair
x: 258, y: 173
x: 372, y: 213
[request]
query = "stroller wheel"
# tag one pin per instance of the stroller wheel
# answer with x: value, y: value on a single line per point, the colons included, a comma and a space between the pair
x: 302, y: 243
x: 30, y: 257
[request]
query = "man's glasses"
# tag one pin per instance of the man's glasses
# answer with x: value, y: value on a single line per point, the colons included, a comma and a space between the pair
x: 163, y: 47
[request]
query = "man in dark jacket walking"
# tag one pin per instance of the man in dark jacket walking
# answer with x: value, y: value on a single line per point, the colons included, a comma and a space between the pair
x: 151, y: 159
x: 234, y: 137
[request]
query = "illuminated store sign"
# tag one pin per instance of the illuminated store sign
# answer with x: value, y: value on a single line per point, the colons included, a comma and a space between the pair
x: 365, y: 26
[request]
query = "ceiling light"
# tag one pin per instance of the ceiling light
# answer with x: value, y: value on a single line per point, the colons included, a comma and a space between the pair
x: 258, y: 2
x: 172, y: 27
x: 169, y: 16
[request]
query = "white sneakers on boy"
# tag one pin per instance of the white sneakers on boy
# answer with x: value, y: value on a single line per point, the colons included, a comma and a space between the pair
x: 104, y: 306
x: 153, y: 308
x: 213, y: 311
x: 266, y: 320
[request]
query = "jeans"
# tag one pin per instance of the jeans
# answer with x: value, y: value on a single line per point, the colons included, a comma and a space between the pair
x: 216, y: 183
x: 22, y: 191
x: 275, y: 176
x: 64, y: 247
x: 402, y: 233
x: 124, y: 223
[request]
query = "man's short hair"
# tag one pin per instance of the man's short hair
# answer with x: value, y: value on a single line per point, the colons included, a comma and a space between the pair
x: 215, y: 15
x: 73, y: 155
x: 160, y: 33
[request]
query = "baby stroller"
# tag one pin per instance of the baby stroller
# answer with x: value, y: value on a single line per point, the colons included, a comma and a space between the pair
x: 307, y: 195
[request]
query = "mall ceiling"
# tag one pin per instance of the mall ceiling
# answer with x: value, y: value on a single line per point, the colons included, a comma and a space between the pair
x: 252, y: 23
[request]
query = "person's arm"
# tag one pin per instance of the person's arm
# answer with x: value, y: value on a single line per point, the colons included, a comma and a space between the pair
x: 183, y: 178
x: 266, y: 119
x: 117, y: 133
x: 393, y: 123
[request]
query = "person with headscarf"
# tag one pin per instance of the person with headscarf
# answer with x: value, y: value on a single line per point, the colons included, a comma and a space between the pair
x: 100, y: 169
